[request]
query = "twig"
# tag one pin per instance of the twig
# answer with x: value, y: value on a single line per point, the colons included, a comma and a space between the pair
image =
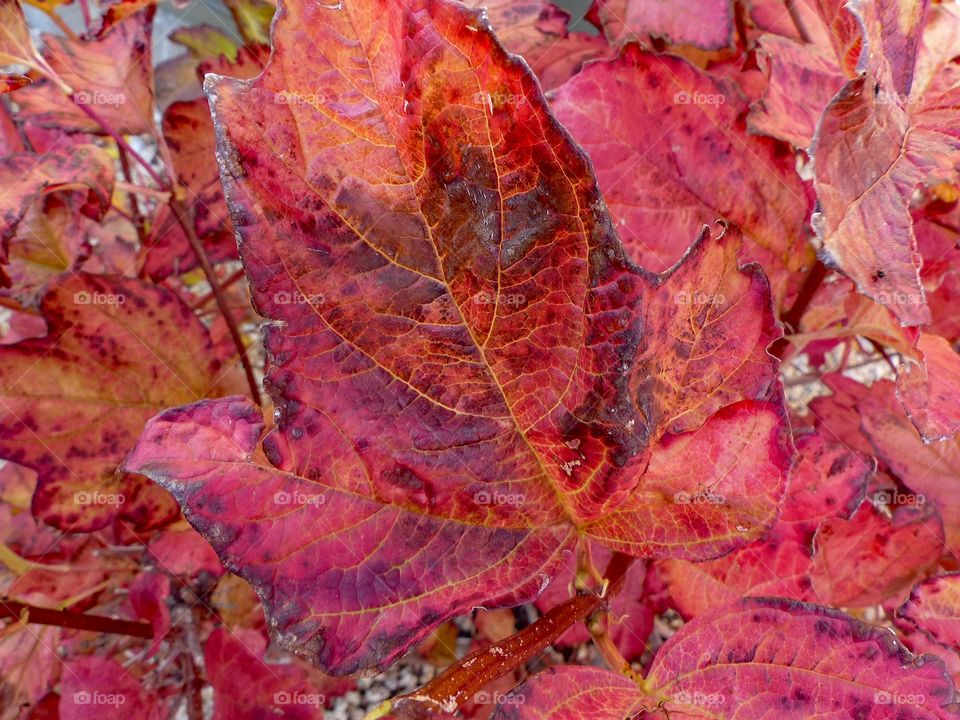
x: 182, y: 213
x: 64, y: 28
x: 204, y: 299
x: 136, y: 216
x: 161, y: 195
x: 791, y: 319
x: 78, y: 621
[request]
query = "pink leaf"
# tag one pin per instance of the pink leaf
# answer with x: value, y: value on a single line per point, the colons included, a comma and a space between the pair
x: 929, y: 389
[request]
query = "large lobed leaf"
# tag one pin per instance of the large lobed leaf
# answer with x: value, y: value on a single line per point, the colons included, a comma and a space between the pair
x: 463, y: 361
x: 756, y: 658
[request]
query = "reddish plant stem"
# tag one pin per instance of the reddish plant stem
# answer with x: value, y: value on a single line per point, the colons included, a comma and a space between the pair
x: 121, y: 142
x: 136, y: 216
x: 85, y: 9
x: 204, y: 299
x: 882, y: 351
x: 791, y: 319
x: 185, y: 220
x: 459, y: 683
x: 77, y: 621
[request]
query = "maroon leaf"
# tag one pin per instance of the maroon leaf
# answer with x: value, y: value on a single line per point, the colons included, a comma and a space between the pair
x: 350, y: 541
x: 456, y: 329
x: 880, y: 139
x: 803, y: 78
x: 712, y: 323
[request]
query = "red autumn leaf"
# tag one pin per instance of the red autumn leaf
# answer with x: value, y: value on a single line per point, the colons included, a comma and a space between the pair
x: 26, y: 177
x: 644, y: 119
x: 184, y: 554
x: 51, y: 238
x: 573, y: 692
x: 466, y: 226
x: 95, y: 688
x: 928, y: 389
x: 733, y: 663
x: 712, y: 30
x: 881, y: 138
x: 928, y: 471
x: 938, y: 239
x: 538, y: 31
x: 704, y: 492
x: 837, y: 416
x: 837, y: 311
x: 871, y: 558
x: 148, y: 599
x: 803, y: 78
x: 245, y: 685
x: 827, y: 483
x: 12, y: 81
x: 713, y: 324
x: 39, y: 651
x: 934, y: 608
x: 74, y: 401
x: 113, y: 75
